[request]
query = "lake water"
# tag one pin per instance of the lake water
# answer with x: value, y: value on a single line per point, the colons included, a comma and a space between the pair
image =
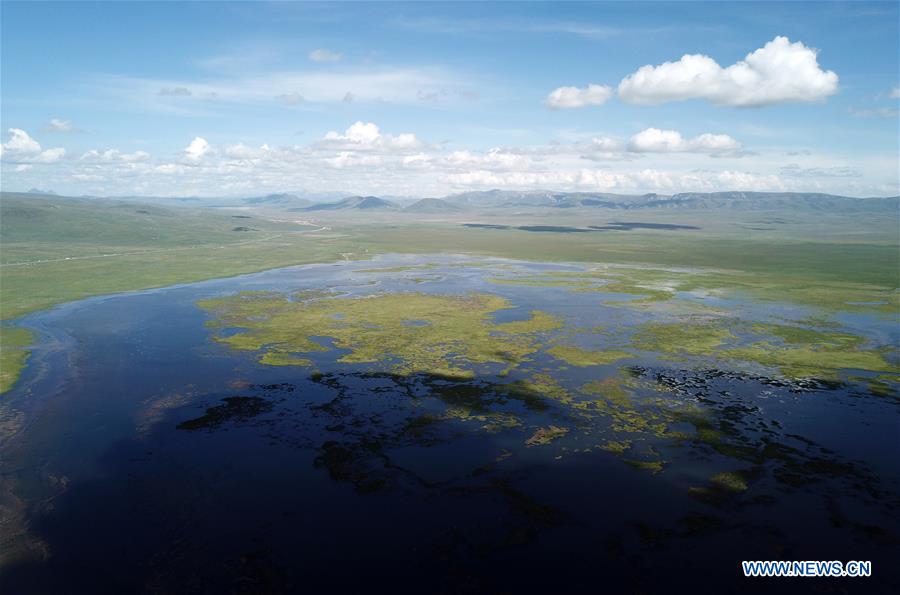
x: 151, y: 457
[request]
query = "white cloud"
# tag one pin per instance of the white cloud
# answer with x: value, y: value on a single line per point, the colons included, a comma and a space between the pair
x: 573, y: 97
x: 19, y: 142
x: 49, y: 156
x: 654, y: 140
x: 349, y: 159
x: 493, y: 159
x: 382, y: 163
x: 58, y: 125
x: 372, y: 84
x: 22, y: 148
x: 242, y: 151
x: 895, y: 93
x: 605, y: 143
x: 778, y: 72
x: 626, y: 182
x: 115, y: 155
x: 171, y: 168
x: 322, y: 55
x: 198, y: 149
x: 367, y: 136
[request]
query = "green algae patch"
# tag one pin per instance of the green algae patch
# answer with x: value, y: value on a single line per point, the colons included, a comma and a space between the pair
x: 733, y: 481
x: 543, y: 436
x: 681, y: 338
x: 538, y: 323
x: 617, y: 447
x: 536, y: 390
x: 582, y: 357
x: 799, y: 352
x: 14, y: 354
x: 611, y: 389
x: 409, y: 333
x: 276, y: 358
x: 651, y: 466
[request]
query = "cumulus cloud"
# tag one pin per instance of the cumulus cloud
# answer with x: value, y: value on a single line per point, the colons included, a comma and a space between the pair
x: 895, y: 93
x: 198, y: 149
x: 21, y: 147
x: 367, y: 136
x: 778, y: 72
x: 20, y: 142
x: 573, y: 97
x: 322, y: 55
x: 49, y: 156
x: 654, y: 140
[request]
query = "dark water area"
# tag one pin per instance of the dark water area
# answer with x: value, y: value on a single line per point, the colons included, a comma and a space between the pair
x: 614, y: 226
x: 153, y: 459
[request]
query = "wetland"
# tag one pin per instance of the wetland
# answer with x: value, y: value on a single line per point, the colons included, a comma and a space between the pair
x: 456, y: 423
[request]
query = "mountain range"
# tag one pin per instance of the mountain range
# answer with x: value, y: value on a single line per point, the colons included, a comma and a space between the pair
x: 540, y: 199
x: 500, y: 199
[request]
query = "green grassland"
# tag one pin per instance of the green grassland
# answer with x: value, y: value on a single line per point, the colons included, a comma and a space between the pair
x: 55, y: 250
x: 13, y: 355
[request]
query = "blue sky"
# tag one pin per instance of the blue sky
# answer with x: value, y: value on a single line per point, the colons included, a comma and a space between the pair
x: 427, y: 99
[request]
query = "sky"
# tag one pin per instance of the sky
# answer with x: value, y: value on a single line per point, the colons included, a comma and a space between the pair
x: 429, y: 99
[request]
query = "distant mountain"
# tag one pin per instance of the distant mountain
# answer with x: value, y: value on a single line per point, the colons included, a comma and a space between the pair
x: 685, y: 200
x: 540, y: 198
x: 356, y: 203
x: 431, y: 205
x: 280, y: 200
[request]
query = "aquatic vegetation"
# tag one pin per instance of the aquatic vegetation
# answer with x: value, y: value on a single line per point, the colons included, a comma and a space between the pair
x: 13, y: 354
x: 803, y: 352
x: 655, y: 284
x: 583, y: 357
x: 535, y: 390
x: 539, y: 322
x: 451, y: 334
x: 731, y: 480
x: 276, y: 358
x: 651, y: 466
x: 546, y: 435
x: 682, y: 338
x: 616, y: 446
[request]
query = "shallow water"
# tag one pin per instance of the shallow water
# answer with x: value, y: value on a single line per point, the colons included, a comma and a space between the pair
x: 153, y: 458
